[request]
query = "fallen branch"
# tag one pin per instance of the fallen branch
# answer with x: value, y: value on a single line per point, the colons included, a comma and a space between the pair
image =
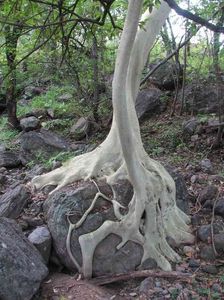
x: 184, y: 277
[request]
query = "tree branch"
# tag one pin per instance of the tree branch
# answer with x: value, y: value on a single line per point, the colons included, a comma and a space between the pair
x: 197, y: 19
x: 166, y: 59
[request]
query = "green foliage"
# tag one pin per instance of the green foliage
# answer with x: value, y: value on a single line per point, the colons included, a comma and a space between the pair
x: 7, y: 135
x: 50, y: 100
x: 61, y: 157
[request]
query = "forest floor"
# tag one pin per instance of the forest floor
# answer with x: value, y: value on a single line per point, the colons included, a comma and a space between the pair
x: 164, y: 140
x: 202, y: 167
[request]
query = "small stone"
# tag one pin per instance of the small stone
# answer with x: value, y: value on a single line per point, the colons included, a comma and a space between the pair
x: 148, y: 264
x: 80, y: 129
x: 41, y: 239
x: 50, y: 112
x: 65, y: 97
x: 208, y: 193
x: 219, y: 241
x: 193, y: 179
x: 158, y: 290
x: 210, y: 269
x: 206, y: 165
x: 204, y: 231
x: 158, y: 284
x: 179, y: 286
x: 193, y: 263
x: 219, y: 208
x: 217, y: 288
x: 133, y: 294
x: 30, y: 123
x: 194, y: 138
x: 189, y: 127
x: 207, y: 253
x: 196, y: 220
x: 146, y: 285
x: 189, y: 251
x: 171, y: 242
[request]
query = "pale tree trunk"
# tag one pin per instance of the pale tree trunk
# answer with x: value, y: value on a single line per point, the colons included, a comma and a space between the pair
x: 152, y: 213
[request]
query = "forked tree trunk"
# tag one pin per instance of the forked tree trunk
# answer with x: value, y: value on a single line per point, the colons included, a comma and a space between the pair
x: 152, y: 213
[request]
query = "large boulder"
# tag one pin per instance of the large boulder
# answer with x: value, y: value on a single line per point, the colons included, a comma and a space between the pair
x: 165, y: 77
x: 202, y: 98
x: 21, y: 266
x: 9, y: 159
x: 107, y: 259
x: 13, y: 202
x: 148, y: 103
x: 41, y: 144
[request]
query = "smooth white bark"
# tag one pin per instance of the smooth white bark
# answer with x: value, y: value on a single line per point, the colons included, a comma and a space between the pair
x: 122, y: 155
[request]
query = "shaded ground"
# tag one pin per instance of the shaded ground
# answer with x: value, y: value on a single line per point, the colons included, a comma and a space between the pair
x: 164, y: 140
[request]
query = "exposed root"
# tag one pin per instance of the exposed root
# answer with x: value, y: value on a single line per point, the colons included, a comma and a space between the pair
x: 152, y: 212
x: 116, y: 205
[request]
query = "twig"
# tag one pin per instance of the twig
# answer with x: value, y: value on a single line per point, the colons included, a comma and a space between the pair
x: 184, y: 277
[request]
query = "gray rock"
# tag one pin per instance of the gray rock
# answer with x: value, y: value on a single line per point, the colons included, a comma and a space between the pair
x: 3, y: 179
x: 202, y: 98
x: 146, y: 285
x: 210, y: 269
x: 65, y: 97
x: 165, y: 77
x: 219, y: 242
x: 9, y: 159
x: 41, y: 239
x: 148, y: 264
x: 148, y: 103
x: 206, y: 165
x: 190, y: 126
x: 31, y: 91
x: 194, y: 138
x: 208, y: 193
x: 107, y: 259
x: 217, y: 288
x: 80, y: 129
x: 207, y: 253
x: 219, y: 207
x: 182, y: 195
x: 193, y: 263
x: 13, y: 202
x: 204, y: 231
x: 30, y: 123
x: 41, y: 145
x: 21, y: 266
